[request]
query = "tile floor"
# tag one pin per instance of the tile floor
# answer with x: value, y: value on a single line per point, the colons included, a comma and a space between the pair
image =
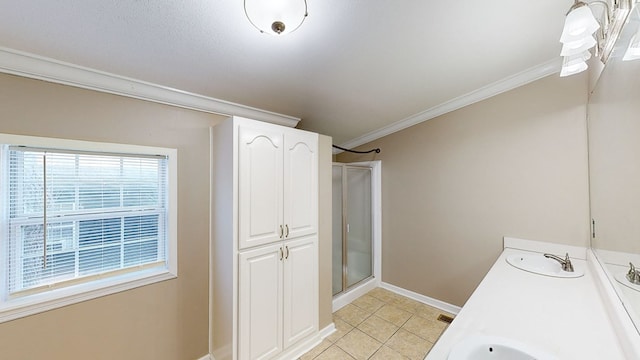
x: 381, y: 325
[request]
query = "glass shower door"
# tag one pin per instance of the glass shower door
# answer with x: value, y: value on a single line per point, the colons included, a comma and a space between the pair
x: 352, y: 226
x: 358, y: 225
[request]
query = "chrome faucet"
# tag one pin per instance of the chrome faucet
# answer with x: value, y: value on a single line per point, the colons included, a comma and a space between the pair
x: 566, y: 262
x: 633, y: 275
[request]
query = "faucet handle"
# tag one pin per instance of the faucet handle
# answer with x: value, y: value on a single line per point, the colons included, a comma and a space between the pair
x: 633, y: 275
x: 566, y: 263
x: 567, y: 266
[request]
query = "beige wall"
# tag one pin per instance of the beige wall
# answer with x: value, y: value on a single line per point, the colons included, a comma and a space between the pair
x: 452, y: 187
x: 167, y: 320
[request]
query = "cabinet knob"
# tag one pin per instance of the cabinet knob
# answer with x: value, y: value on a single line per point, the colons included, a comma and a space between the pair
x: 287, y: 230
x: 281, y: 254
x: 281, y: 232
x: 287, y: 256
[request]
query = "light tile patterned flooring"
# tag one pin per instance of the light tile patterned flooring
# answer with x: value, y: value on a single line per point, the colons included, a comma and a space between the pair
x: 381, y: 325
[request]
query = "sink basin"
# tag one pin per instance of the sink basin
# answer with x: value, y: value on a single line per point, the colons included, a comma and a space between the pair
x: 538, y: 264
x: 622, y: 279
x: 480, y: 347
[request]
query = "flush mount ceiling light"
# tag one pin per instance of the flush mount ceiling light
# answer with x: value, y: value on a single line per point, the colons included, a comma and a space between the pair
x: 276, y: 17
x: 583, y: 31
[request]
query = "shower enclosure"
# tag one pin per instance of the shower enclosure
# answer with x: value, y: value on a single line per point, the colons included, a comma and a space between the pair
x: 352, y: 226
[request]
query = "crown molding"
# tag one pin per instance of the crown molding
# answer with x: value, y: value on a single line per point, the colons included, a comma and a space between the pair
x: 37, y: 67
x: 483, y: 93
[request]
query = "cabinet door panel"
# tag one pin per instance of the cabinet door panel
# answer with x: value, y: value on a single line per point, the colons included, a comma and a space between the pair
x: 301, y: 183
x: 260, y: 303
x: 300, y: 289
x: 260, y: 186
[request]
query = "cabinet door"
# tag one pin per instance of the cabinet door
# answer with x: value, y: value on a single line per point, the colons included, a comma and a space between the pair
x: 300, y: 184
x: 260, y: 156
x: 300, y: 289
x: 260, y: 303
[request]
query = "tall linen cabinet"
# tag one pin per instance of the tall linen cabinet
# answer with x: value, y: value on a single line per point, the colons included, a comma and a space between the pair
x: 264, y: 246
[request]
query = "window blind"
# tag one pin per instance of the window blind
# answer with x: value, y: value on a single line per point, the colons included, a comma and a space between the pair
x: 78, y: 216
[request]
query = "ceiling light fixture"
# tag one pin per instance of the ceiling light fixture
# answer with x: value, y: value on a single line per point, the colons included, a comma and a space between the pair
x: 276, y: 17
x: 583, y: 31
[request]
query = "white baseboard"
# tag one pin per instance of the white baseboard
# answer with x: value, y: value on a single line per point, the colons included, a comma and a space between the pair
x: 302, y: 348
x: 452, y: 309
x: 306, y: 345
x: 342, y: 300
x: 328, y: 330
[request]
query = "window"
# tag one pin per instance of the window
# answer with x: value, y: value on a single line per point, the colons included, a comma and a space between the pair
x: 78, y: 221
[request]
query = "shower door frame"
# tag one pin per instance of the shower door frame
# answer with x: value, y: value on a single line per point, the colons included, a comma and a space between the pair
x: 361, y: 288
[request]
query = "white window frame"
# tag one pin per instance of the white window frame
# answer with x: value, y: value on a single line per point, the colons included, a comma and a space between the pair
x: 14, y: 308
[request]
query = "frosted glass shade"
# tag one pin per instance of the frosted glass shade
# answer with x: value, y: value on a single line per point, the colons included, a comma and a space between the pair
x: 578, y: 46
x: 633, y: 51
x: 575, y: 64
x: 263, y: 14
x: 572, y: 60
x: 580, y: 23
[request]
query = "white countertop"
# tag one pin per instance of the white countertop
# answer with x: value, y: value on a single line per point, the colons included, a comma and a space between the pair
x: 565, y: 317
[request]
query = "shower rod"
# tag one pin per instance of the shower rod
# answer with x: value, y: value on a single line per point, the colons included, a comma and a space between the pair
x: 376, y: 150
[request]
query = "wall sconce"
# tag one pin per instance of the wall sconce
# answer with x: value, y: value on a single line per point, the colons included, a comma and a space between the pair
x: 580, y: 26
x: 276, y: 17
x: 577, y: 36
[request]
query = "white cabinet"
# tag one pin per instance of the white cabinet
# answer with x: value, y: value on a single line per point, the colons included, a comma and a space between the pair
x: 264, y: 253
x: 300, y: 289
x: 278, y: 302
x: 260, y: 309
x: 278, y: 184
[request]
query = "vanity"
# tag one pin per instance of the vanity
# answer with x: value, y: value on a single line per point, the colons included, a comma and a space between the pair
x: 596, y: 315
x: 564, y: 317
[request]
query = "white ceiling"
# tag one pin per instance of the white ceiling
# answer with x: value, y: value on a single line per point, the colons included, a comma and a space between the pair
x: 353, y: 67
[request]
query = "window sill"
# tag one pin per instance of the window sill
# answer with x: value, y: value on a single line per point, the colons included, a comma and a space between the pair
x: 37, y: 303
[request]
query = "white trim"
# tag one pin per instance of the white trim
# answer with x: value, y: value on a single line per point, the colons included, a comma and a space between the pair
x: 79, y: 293
x: 483, y: 93
x: 452, y: 309
x: 299, y: 349
x: 376, y: 212
x: 37, y: 67
x: 345, y: 298
x: 327, y: 331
